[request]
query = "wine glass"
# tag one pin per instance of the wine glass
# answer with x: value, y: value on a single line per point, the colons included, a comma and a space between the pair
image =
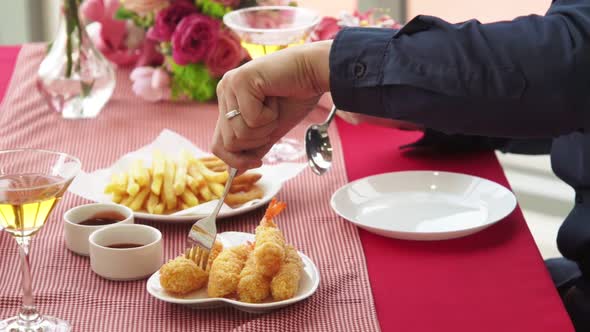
x: 31, y: 184
x: 267, y: 29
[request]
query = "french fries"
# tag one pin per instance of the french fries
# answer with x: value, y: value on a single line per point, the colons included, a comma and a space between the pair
x: 140, y: 174
x: 180, y: 176
x: 216, y: 188
x: 139, y: 199
x: 152, y: 203
x: 169, y: 185
x: 211, y: 176
x: 158, y: 167
x: 239, y: 198
x: 168, y: 195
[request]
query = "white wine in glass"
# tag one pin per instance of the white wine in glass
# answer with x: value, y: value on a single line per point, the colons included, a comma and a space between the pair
x: 268, y: 29
x: 31, y: 184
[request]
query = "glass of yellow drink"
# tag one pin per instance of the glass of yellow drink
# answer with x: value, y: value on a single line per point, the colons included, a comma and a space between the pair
x: 31, y: 184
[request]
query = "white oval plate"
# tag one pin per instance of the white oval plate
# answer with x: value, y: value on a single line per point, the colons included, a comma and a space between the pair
x: 423, y: 205
x: 309, y: 283
x: 269, y: 187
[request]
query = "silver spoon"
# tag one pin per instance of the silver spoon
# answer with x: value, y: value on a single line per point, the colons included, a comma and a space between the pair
x: 318, y: 147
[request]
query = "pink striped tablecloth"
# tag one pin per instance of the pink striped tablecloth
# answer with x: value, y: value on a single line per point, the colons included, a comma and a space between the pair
x: 66, y: 287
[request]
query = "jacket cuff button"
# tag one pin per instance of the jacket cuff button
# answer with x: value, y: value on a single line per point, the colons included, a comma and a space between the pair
x: 359, y: 70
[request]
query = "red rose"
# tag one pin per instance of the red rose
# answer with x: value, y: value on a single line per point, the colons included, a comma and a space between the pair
x: 168, y: 18
x: 195, y: 36
x: 227, y: 54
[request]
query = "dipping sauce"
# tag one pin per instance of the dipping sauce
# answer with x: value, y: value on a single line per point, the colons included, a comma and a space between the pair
x: 124, y: 245
x: 103, y: 218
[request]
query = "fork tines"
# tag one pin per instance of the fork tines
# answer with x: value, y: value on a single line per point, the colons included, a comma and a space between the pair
x: 199, y: 255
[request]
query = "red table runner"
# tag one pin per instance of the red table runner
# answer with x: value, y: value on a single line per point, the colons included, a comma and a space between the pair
x: 491, y: 281
x: 7, y: 59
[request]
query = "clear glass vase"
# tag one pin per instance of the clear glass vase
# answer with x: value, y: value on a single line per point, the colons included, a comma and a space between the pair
x: 74, y: 77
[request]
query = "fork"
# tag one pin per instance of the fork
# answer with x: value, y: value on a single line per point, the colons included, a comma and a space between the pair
x: 201, y: 236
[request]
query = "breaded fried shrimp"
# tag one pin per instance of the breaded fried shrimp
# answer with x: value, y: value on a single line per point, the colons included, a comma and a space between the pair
x: 285, y: 283
x: 225, y: 270
x: 253, y: 286
x: 269, y: 251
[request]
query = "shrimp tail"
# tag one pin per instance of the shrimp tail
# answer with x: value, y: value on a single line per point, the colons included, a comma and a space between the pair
x: 274, y: 209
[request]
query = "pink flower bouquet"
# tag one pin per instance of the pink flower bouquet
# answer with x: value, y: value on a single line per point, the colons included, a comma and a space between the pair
x: 179, y: 49
x: 374, y: 18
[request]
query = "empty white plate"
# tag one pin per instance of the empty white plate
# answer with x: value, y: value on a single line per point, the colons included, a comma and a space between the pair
x: 423, y: 205
x: 308, y: 284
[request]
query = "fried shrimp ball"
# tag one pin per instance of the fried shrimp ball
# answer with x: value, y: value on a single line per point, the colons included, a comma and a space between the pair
x: 181, y: 276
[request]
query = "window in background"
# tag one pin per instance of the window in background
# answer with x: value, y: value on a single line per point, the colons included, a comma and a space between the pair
x: 335, y: 7
x: 484, y: 10
x: 20, y: 21
x: 328, y: 7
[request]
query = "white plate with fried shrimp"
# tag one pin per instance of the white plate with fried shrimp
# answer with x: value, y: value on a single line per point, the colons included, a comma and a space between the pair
x: 252, y: 272
x: 308, y: 284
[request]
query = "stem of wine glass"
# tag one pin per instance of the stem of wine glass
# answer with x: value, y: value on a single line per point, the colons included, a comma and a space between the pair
x: 28, y: 313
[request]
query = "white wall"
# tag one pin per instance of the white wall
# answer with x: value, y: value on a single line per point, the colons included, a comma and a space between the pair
x: 13, y: 28
x: 51, y: 18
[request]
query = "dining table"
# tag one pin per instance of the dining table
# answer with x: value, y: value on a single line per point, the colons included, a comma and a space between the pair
x: 490, y: 281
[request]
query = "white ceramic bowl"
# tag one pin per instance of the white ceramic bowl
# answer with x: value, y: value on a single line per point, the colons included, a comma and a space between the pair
x: 126, y: 264
x: 76, y: 235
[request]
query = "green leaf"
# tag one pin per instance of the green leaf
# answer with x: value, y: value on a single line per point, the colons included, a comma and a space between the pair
x: 193, y: 81
x: 212, y: 8
x: 145, y: 21
x: 124, y: 14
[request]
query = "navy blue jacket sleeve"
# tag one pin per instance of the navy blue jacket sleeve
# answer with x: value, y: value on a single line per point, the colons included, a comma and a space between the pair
x: 529, y: 77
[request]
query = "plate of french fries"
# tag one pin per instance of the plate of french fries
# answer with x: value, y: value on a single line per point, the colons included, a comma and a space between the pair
x: 172, y: 180
x: 170, y: 188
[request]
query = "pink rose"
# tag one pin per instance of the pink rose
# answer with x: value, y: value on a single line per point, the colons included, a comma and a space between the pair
x: 229, y: 3
x: 168, y: 18
x: 227, y: 54
x: 326, y: 29
x: 92, y: 10
x: 145, y: 6
x: 110, y: 36
x: 366, y: 16
x: 112, y: 45
x: 119, y: 41
x: 150, y: 56
x: 194, y: 37
x: 152, y: 84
